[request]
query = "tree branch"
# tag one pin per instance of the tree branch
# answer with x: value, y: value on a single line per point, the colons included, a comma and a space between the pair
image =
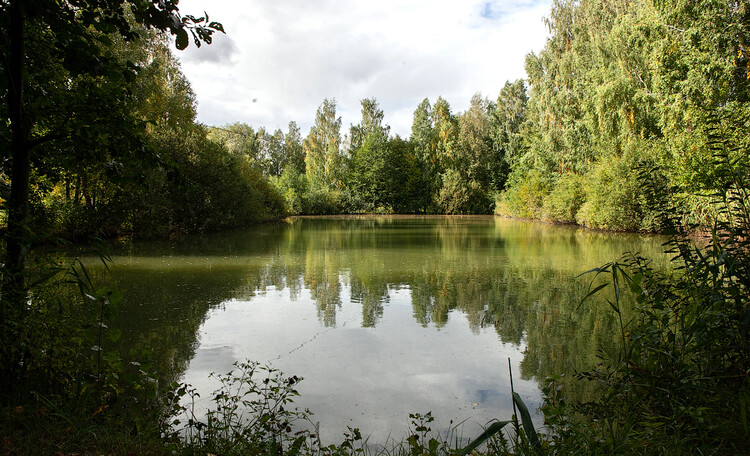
x: 43, y: 139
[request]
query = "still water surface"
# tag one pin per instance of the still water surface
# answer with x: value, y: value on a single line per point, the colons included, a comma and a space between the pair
x: 382, y: 316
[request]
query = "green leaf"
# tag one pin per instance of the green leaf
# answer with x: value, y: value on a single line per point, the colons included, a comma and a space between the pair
x: 433, y: 445
x: 591, y: 293
x: 115, y: 335
x: 181, y: 41
x: 45, y: 277
x: 616, y: 282
x: 294, y: 449
x: 216, y: 26
x: 493, y: 429
x: 635, y: 284
x: 528, y: 425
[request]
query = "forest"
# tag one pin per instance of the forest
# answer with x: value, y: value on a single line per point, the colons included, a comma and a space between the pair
x: 621, y: 88
x: 633, y: 117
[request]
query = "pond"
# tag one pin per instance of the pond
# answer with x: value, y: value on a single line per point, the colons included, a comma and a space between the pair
x: 382, y: 316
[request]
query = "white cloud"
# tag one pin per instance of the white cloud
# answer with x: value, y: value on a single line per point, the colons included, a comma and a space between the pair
x: 289, y: 55
x: 221, y: 51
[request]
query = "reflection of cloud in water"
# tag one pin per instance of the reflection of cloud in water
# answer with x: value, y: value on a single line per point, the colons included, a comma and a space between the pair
x: 383, y: 316
x: 371, y: 378
x: 212, y: 359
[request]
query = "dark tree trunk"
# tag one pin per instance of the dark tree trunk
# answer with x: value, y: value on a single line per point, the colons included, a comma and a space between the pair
x: 18, y: 205
x: 85, y: 191
x: 77, y: 194
x: 13, y: 302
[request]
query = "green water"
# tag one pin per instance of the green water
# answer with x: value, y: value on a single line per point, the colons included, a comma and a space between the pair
x: 382, y: 316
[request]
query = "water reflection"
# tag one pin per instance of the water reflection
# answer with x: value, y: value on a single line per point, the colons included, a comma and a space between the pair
x: 382, y: 315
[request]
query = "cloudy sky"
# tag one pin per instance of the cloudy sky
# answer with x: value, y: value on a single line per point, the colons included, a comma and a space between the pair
x: 281, y: 58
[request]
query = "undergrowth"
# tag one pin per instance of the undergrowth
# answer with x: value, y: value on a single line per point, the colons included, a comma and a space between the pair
x: 680, y: 383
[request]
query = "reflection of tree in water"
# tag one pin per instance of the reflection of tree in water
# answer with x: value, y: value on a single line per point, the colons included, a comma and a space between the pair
x: 168, y: 289
x: 519, y: 279
x: 371, y: 296
x: 425, y: 308
x: 515, y: 277
x: 162, y: 311
x: 322, y: 279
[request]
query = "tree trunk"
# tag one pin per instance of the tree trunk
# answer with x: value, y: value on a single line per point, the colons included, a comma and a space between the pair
x: 85, y: 191
x: 13, y: 303
x: 20, y: 146
x: 77, y: 194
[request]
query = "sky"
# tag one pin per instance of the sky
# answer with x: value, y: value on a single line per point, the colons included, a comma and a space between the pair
x: 280, y: 59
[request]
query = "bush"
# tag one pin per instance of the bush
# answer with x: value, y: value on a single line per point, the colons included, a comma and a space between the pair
x: 565, y: 199
x: 525, y: 195
x: 292, y: 185
x: 615, y: 199
x: 196, y: 185
x: 66, y: 387
x: 323, y: 201
x: 458, y: 195
x: 201, y: 187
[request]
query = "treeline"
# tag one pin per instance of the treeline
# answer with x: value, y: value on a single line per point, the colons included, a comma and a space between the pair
x: 120, y: 151
x: 451, y: 164
x: 624, y: 98
x: 623, y: 94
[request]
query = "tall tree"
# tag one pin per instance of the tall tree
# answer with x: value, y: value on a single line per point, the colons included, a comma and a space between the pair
x: 295, y: 155
x: 507, y: 139
x: 405, y: 185
x: 162, y: 92
x: 240, y: 139
x: 476, y: 157
x: 423, y: 140
x: 274, y: 153
x: 468, y: 160
x: 76, y: 33
x: 371, y: 124
x: 369, y: 164
x: 446, y: 132
x: 323, y: 158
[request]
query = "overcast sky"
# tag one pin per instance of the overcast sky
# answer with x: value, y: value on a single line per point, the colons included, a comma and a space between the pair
x: 280, y: 58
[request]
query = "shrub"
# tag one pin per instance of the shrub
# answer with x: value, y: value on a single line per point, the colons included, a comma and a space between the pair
x: 565, y: 199
x: 459, y: 195
x: 292, y: 185
x: 525, y: 195
x: 614, y: 196
x: 323, y: 201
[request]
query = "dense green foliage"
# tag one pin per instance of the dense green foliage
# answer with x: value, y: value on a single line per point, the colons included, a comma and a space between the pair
x: 451, y: 164
x: 100, y: 138
x: 623, y: 86
x: 679, y: 383
x: 165, y: 175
